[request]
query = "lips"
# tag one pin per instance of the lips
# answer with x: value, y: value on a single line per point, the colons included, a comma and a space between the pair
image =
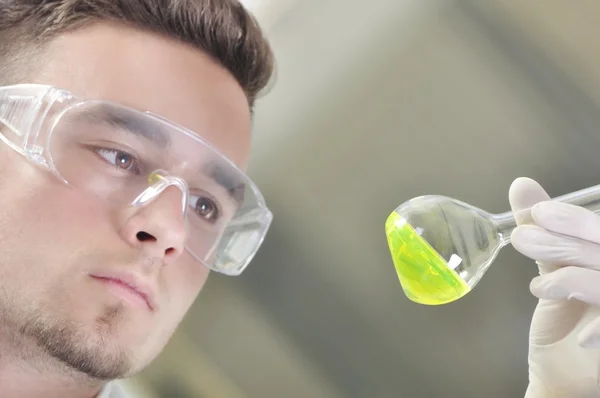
x: 129, y: 287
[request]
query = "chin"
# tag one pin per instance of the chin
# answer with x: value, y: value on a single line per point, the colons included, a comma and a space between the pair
x: 144, y: 344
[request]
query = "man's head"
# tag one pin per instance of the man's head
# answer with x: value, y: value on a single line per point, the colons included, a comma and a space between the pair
x: 198, y: 63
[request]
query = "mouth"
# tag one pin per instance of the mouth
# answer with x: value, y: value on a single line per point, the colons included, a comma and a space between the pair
x: 126, y: 290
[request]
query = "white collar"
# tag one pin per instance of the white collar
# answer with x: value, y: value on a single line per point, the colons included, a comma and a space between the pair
x: 111, y: 390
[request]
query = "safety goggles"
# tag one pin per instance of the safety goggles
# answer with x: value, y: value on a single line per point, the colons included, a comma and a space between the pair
x: 129, y: 158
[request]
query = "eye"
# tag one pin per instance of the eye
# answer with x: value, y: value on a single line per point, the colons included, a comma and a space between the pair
x: 205, y: 207
x: 119, y: 159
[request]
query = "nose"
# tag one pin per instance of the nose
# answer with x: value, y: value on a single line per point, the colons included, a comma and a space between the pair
x: 158, y: 227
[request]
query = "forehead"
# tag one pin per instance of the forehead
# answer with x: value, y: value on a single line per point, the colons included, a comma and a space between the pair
x: 155, y: 74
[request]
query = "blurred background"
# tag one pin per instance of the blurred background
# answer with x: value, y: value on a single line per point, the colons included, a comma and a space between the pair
x: 375, y: 103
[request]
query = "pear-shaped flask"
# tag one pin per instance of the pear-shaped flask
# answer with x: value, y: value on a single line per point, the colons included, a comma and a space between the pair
x: 441, y: 247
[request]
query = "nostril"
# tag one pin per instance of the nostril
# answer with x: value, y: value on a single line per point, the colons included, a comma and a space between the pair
x: 145, y: 237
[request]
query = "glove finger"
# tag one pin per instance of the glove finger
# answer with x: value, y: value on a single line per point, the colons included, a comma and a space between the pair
x: 568, y: 283
x: 565, y: 295
x: 553, y: 320
x: 523, y: 194
x: 567, y: 219
x: 552, y: 248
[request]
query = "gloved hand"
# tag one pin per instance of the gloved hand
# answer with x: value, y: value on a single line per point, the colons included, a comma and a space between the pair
x: 564, y: 340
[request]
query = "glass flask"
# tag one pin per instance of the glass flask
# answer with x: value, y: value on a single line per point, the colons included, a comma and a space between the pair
x: 441, y: 247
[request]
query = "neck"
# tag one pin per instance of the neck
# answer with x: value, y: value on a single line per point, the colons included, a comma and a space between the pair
x: 30, y: 372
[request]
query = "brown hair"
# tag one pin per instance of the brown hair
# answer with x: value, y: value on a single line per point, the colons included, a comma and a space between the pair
x: 221, y: 28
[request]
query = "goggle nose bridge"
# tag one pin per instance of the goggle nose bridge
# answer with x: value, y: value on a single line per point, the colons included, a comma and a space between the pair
x: 158, y: 181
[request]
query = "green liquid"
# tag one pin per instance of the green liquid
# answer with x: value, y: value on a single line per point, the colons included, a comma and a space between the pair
x: 424, y: 275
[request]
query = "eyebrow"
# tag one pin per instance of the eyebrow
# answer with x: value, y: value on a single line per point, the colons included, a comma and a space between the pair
x: 136, y: 125
x: 235, y: 188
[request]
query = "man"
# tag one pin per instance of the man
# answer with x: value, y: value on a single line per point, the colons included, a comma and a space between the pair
x: 125, y: 127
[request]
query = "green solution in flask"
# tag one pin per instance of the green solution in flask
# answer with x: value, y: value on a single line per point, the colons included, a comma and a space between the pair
x: 424, y: 274
x: 441, y: 247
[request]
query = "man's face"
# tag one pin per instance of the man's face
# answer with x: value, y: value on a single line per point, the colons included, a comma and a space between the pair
x: 54, y: 237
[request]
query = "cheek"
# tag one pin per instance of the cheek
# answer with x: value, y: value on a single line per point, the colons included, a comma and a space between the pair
x: 64, y: 217
x: 184, y: 280
x: 44, y: 229
x: 40, y: 214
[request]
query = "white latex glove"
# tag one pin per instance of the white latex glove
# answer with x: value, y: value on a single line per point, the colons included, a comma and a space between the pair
x: 564, y: 240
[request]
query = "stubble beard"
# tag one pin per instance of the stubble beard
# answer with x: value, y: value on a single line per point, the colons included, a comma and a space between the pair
x: 50, y: 342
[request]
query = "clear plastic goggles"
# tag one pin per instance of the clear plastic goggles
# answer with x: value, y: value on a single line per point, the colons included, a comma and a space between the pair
x: 129, y: 157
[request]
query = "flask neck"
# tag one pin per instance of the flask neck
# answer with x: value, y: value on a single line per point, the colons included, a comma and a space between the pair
x: 506, y: 223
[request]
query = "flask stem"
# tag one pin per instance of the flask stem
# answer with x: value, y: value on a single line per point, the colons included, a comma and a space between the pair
x: 588, y: 198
